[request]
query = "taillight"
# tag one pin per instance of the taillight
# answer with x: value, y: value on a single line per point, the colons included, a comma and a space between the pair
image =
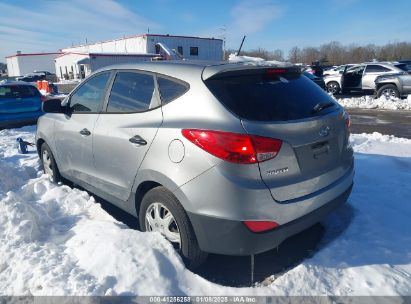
x: 234, y: 147
x: 347, y: 120
x: 43, y: 98
x: 260, y: 226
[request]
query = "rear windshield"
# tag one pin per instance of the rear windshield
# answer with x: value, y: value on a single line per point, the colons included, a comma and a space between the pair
x: 18, y: 91
x: 264, y: 96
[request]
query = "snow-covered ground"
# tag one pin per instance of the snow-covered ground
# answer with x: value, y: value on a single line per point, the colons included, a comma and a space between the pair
x: 369, y: 102
x: 56, y: 240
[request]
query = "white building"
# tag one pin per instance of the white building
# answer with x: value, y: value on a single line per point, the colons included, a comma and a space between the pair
x: 21, y: 64
x: 188, y: 47
x: 75, y: 65
x: 79, y: 61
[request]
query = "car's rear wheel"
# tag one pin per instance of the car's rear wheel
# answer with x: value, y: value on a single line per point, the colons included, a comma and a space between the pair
x: 160, y: 211
x: 389, y: 91
x: 333, y: 87
x: 49, y: 164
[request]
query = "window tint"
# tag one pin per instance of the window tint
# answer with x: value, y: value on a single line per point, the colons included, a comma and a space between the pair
x: 170, y: 89
x: 90, y: 96
x: 180, y: 50
x: 372, y: 68
x: 260, y: 97
x: 18, y: 91
x: 132, y: 92
x: 194, y: 51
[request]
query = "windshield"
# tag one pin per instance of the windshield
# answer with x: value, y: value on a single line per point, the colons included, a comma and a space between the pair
x: 18, y: 91
x: 256, y: 97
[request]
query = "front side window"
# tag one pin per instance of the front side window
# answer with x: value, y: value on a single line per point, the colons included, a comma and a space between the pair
x: 90, y: 96
x: 132, y: 92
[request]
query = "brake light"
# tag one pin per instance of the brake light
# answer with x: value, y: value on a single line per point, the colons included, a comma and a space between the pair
x: 43, y: 98
x: 275, y: 72
x: 234, y: 147
x: 260, y: 226
x: 347, y: 120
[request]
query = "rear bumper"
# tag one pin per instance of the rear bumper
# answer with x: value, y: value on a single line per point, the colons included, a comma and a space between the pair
x: 230, y: 237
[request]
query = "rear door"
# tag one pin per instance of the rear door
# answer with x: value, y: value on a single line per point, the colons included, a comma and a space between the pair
x: 370, y: 74
x: 75, y: 131
x: 289, y: 107
x: 125, y: 130
x: 19, y: 99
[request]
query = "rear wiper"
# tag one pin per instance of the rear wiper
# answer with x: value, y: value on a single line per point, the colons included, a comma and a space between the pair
x: 321, y: 106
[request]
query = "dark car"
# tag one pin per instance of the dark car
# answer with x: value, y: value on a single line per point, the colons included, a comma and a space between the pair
x: 31, y: 77
x: 318, y: 80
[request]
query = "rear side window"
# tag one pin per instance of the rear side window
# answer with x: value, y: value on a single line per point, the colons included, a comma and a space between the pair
x: 259, y: 96
x: 170, y: 89
x: 373, y: 68
x: 18, y: 91
x: 90, y: 96
x: 132, y: 92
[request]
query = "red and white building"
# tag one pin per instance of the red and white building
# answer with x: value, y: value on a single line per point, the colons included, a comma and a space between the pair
x: 79, y: 61
x: 21, y: 64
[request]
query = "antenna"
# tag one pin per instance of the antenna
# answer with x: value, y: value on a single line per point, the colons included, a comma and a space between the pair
x: 241, y: 45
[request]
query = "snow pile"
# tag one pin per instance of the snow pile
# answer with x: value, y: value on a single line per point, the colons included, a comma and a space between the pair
x: 248, y: 60
x: 368, y: 102
x: 56, y: 240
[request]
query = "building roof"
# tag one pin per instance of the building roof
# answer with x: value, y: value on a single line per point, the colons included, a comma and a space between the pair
x: 32, y: 54
x: 140, y: 35
x: 94, y: 54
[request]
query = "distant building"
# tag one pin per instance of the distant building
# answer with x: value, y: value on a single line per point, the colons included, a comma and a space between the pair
x: 79, y: 61
x: 79, y: 65
x: 21, y: 64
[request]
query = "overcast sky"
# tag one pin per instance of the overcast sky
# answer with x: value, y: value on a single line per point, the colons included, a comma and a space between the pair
x: 47, y: 25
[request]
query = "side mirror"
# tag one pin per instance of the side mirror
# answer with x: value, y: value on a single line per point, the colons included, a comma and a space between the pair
x: 53, y: 106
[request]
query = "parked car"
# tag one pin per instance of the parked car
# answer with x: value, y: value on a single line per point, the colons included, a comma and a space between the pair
x: 20, y: 103
x: 31, y: 77
x: 318, y: 80
x: 222, y: 158
x: 337, y: 70
x: 395, y: 85
x: 360, y: 77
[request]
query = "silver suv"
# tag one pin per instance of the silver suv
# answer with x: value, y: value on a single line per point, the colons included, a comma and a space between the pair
x: 221, y: 158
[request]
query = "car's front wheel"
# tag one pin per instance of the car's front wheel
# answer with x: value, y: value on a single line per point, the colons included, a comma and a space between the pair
x: 333, y: 87
x: 389, y: 91
x: 49, y: 164
x: 160, y: 211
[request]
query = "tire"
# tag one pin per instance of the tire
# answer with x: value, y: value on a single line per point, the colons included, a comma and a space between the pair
x: 388, y: 90
x: 333, y: 87
x: 188, y: 248
x: 49, y: 164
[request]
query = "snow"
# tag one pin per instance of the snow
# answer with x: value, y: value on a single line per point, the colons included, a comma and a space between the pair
x: 369, y: 102
x: 57, y: 240
x: 233, y: 58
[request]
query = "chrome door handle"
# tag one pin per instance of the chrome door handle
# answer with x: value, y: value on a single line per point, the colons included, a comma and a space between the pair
x: 138, y: 140
x: 85, y: 132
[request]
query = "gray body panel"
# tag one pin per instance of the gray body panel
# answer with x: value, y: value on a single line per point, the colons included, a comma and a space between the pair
x: 109, y: 165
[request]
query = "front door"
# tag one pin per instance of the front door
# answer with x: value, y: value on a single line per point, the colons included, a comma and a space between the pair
x: 351, y: 79
x: 124, y: 132
x: 74, y: 143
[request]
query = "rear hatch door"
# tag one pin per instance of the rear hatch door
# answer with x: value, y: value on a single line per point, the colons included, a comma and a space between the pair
x: 283, y: 104
x: 19, y: 99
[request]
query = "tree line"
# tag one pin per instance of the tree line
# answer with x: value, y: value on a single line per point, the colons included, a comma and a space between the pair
x: 335, y: 53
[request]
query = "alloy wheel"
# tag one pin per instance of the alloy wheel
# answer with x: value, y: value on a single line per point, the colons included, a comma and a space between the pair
x: 159, y: 218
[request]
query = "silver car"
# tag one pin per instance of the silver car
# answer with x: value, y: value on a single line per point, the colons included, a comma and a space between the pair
x: 219, y: 158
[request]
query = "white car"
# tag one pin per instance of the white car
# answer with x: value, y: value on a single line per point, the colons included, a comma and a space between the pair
x: 359, y: 77
x: 337, y: 70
